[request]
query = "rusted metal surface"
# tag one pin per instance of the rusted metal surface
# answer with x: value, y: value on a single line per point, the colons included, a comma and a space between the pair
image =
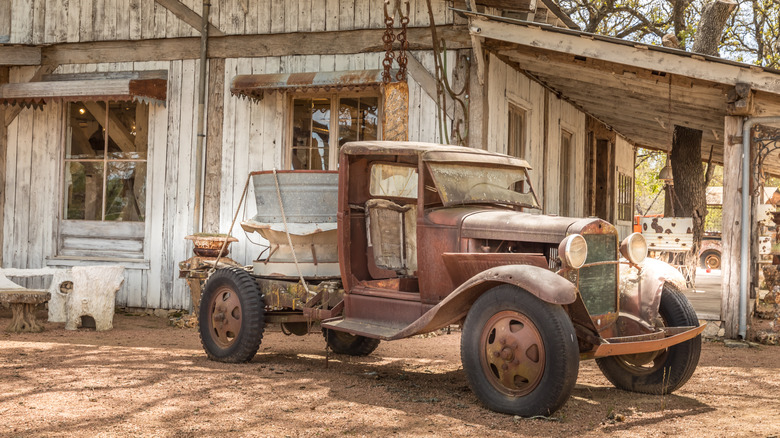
x: 512, y: 353
x: 542, y: 283
x: 647, y: 343
x: 513, y: 225
x: 641, y: 286
x: 395, y: 124
x: 431, y: 152
x: 464, y: 266
x: 210, y: 246
x: 255, y: 86
x: 226, y: 318
x: 36, y: 93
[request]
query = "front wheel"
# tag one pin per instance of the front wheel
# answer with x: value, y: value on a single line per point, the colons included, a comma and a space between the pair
x: 664, y: 371
x: 345, y: 343
x: 232, y: 316
x: 519, y: 353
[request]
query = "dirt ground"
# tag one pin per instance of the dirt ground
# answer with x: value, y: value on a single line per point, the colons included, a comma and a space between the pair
x: 145, y: 378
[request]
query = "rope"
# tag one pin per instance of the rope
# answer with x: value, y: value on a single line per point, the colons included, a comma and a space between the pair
x: 287, y: 232
x: 235, y: 217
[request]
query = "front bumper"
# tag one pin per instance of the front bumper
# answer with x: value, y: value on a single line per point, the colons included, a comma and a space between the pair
x: 659, y: 340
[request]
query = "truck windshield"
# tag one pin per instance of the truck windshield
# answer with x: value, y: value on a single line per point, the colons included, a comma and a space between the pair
x: 460, y: 183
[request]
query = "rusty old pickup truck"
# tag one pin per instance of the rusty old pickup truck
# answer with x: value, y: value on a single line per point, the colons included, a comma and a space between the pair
x: 410, y: 238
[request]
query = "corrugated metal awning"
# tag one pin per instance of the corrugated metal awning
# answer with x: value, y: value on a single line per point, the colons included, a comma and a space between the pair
x: 143, y: 88
x: 254, y: 86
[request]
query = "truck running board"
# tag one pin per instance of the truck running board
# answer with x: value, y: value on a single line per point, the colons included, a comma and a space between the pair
x: 363, y: 328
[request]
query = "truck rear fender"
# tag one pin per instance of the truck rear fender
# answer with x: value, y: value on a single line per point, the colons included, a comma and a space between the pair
x: 542, y: 283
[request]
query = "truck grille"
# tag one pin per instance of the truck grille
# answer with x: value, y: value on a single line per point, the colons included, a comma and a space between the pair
x: 598, y: 284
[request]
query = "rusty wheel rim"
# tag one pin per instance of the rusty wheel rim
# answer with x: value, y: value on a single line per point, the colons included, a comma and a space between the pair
x: 512, y: 353
x: 225, y: 317
x: 712, y: 261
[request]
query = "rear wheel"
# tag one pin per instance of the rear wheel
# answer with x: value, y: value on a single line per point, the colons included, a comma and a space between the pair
x: 664, y: 371
x: 232, y: 316
x: 345, y: 343
x: 710, y: 260
x: 519, y: 353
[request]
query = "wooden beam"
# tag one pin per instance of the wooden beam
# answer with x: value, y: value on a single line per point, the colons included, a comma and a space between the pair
x: 213, y: 180
x: 509, y: 5
x: 20, y: 55
x: 188, y: 16
x: 574, y: 44
x: 3, y: 153
x: 732, y: 234
x: 478, y: 108
x: 13, y: 111
x: 246, y: 46
x: 5, y: 27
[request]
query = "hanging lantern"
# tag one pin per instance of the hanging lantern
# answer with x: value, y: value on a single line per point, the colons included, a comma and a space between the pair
x: 665, y: 174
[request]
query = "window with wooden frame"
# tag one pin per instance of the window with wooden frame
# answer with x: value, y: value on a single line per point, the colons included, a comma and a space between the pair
x: 517, y: 130
x: 625, y: 196
x: 566, y: 177
x: 104, y: 180
x: 321, y: 124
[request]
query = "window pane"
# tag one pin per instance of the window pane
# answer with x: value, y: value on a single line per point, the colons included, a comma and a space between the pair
x: 127, y: 130
x: 83, y: 190
x: 516, y: 143
x: 565, y: 176
x: 395, y: 181
x: 126, y: 191
x: 86, y: 131
x: 311, y: 133
x: 357, y: 119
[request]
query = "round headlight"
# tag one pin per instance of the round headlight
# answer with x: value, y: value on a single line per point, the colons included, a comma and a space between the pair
x: 634, y: 248
x: 573, y: 251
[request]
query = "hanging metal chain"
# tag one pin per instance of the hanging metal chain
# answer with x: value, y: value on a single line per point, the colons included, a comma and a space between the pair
x: 401, y: 38
x: 388, y: 38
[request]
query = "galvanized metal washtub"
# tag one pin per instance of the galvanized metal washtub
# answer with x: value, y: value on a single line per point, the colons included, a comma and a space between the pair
x: 307, y: 200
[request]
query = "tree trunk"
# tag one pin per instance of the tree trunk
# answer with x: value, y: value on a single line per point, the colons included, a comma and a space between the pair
x: 713, y: 20
x: 689, y: 189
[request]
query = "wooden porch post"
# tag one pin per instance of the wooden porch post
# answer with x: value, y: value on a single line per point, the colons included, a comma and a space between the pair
x: 3, y: 153
x: 732, y: 229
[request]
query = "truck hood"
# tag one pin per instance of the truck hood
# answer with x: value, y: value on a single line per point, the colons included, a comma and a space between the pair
x: 513, y: 225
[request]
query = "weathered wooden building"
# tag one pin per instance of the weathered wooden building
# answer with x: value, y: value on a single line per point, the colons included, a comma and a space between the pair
x: 100, y: 131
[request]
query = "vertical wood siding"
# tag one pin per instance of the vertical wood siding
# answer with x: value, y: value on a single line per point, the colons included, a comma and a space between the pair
x: 53, y: 21
x: 506, y: 85
x: 253, y: 140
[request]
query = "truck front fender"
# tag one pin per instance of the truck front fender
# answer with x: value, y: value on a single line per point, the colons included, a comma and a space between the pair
x: 641, y: 287
x: 542, y: 283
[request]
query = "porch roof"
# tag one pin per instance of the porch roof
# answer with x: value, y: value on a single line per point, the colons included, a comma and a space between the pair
x: 149, y: 87
x: 639, y: 90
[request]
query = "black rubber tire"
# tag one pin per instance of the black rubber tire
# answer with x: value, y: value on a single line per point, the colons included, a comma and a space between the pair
x: 551, y: 326
x: 673, y: 366
x: 236, y: 287
x: 345, y: 343
x: 710, y: 254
